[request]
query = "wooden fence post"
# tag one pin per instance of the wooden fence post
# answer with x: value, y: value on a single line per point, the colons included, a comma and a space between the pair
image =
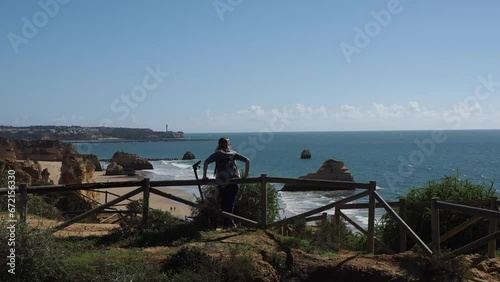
x: 492, y: 245
x: 402, y: 232
x: 263, y: 200
x: 145, y: 203
x: 23, y: 188
x: 336, y: 225
x: 370, y: 240
x: 435, y: 231
x: 324, y: 218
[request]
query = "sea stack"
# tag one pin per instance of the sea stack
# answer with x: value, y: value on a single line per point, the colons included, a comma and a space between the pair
x: 330, y: 170
x: 188, y: 156
x: 306, y: 154
x: 133, y: 161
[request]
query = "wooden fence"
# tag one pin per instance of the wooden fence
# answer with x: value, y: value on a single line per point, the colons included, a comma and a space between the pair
x: 146, y: 187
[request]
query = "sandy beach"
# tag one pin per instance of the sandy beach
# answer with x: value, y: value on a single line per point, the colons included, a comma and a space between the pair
x: 175, y: 208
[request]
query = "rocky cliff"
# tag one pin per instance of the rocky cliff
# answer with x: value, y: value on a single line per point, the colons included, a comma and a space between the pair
x: 330, y: 170
x: 132, y: 161
x: 29, y: 172
x: 77, y: 169
x: 44, y: 150
x: 6, y: 150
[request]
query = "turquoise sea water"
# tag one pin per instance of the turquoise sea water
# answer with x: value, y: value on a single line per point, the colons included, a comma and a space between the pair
x: 396, y: 160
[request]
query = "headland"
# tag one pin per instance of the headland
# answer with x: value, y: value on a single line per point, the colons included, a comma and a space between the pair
x: 103, y: 134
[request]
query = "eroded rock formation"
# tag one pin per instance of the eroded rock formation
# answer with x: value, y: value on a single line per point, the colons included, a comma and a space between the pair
x: 29, y: 172
x: 133, y: 161
x: 76, y: 169
x: 6, y: 150
x: 43, y: 150
x: 45, y: 175
x: 114, y: 169
x: 188, y: 156
x: 306, y: 154
x: 330, y: 170
x: 95, y: 161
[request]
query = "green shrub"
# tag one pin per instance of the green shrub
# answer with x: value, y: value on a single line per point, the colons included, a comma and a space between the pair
x: 38, y: 254
x: 157, y: 219
x: 37, y: 205
x: 444, y: 267
x: 239, y: 267
x: 111, y: 265
x: 321, y: 236
x: 247, y: 204
x: 356, y: 242
x: 296, y: 243
x: 163, y: 230
x: 192, y: 263
x: 449, y: 188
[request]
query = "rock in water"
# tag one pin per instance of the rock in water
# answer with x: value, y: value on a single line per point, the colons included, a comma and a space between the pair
x: 188, y: 156
x: 133, y: 161
x: 330, y: 170
x: 306, y: 154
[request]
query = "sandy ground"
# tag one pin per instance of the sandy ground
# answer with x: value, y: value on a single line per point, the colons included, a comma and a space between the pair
x: 177, y: 209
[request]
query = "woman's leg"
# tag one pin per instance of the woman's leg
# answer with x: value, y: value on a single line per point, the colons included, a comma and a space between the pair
x: 228, y: 198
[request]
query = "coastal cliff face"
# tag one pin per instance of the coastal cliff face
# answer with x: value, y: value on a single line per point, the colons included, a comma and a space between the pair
x: 94, y: 160
x: 330, y: 170
x: 6, y: 150
x: 44, y: 150
x: 29, y: 172
x: 77, y: 169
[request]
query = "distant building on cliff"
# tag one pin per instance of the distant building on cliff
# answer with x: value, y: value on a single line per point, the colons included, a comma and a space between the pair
x: 172, y: 134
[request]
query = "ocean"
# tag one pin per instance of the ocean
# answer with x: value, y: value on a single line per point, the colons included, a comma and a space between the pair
x: 396, y: 160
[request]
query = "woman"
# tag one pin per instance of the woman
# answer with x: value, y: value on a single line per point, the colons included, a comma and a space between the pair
x: 226, y: 168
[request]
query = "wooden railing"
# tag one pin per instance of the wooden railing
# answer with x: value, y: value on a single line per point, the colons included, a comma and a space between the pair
x: 146, y: 187
x: 491, y: 214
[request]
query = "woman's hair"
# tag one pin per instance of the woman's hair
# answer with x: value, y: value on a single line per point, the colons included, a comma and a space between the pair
x: 223, y: 145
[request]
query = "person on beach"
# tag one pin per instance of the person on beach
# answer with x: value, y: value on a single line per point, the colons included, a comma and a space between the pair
x: 226, y: 168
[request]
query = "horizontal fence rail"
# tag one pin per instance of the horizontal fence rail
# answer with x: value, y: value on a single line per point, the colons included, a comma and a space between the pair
x: 492, y: 214
x: 479, y: 209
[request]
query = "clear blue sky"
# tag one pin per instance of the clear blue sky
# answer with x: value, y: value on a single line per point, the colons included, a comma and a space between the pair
x: 241, y: 65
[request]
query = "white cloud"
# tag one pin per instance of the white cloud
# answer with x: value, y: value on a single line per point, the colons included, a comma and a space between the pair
x: 350, y: 112
x: 409, y: 116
